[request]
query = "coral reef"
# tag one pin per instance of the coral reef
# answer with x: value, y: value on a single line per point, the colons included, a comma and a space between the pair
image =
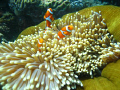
x: 23, y: 3
x: 8, y: 22
x: 8, y: 25
x: 35, y: 9
x: 60, y: 62
x: 2, y: 38
x: 4, y: 28
x: 1, y: 35
x: 5, y: 18
x: 76, y: 5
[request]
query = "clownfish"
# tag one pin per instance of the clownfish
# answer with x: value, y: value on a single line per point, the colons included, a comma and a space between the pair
x: 40, y: 42
x: 65, y: 31
x: 49, y: 18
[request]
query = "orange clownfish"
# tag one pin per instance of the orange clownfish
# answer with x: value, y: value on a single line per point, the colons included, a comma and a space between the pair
x: 49, y: 17
x: 65, y: 31
x: 40, y: 42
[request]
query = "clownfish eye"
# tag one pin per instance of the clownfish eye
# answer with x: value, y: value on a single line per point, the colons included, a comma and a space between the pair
x: 68, y: 27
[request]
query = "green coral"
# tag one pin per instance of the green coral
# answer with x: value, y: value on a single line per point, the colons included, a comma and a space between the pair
x: 6, y: 17
x: 54, y: 3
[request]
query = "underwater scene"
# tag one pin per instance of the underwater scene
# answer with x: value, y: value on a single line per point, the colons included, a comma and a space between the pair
x: 59, y: 45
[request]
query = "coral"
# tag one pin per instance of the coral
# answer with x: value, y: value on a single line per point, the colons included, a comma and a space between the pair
x: 4, y: 28
x: 60, y: 62
x: 76, y: 5
x: 32, y: 29
x: 1, y: 35
x: 100, y: 83
x: 6, y: 17
x: 113, y: 73
x: 35, y: 9
x: 2, y: 38
x: 22, y: 3
x: 109, y: 80
x: 8, y: 25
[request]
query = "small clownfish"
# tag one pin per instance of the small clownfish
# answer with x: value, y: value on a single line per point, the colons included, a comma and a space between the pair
x: 40, y: 42
x: 49, y: 18
x: 65, y: 31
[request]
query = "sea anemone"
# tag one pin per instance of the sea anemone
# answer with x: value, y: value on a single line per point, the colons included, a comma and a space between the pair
x: 23, y: 66
x: 91, y: 43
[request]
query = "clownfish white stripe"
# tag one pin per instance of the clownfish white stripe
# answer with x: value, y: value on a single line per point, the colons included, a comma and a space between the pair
x: 68, y: 29
x: 63, y: 33
x: 50, y: 11
x: 48, y: 18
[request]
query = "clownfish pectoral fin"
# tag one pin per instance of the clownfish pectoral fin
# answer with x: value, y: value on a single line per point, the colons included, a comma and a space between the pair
x: 65, y: 33
x: 52, y: 18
